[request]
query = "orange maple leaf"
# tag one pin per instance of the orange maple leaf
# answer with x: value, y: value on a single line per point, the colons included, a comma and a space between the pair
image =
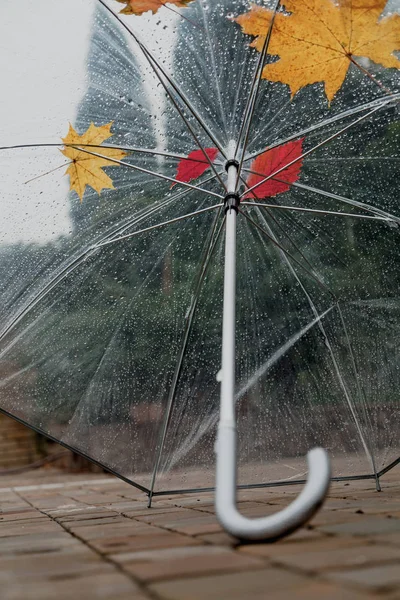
x: 138, y: 7
x: 319, y: 39
x: 86, y: 169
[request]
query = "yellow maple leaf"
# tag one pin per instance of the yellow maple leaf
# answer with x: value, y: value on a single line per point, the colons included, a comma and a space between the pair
x: 319, y: 39
x: 138, y: 7
x: 86, y: 169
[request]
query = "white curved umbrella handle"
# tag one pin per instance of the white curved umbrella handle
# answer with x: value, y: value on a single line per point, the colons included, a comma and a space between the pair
x: 274, y: 526
x: 312, y: 496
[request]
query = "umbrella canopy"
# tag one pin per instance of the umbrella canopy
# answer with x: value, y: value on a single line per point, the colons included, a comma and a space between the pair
x: 112, y: 292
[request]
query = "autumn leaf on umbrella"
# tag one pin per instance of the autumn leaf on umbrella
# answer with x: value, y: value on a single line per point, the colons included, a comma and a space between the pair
x: 319, y: 39
x: 194, y: 165
x: 286, y: 160
x: 138, y: 7
x: 86, y: 169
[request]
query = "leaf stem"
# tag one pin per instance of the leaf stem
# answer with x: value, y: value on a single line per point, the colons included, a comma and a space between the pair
x: 183, y: 17
x: 48, y: 172
x: 370, y: 76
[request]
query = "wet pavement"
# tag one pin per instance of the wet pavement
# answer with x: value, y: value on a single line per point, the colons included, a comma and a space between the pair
x: 91, y: 536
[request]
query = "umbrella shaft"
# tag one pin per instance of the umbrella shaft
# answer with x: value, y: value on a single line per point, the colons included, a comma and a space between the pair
x: 227, y: 412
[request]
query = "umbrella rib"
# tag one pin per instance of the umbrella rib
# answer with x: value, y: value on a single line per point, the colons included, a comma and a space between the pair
x: 379, y: 214
x: 213, y: 419
x: 255, y: 84
x: 155, y: 65
x: 288, y: 254
x: 349, y: 400
x: 182, y: 97
x: 213, y: 63
x: 112, y: 337
x: 75, y: 262
x: 110, y: 146
x: 288, y: 216
x: 381, y: 103
x: 368, y: 446
x: 382, y: 214
x: 272, y: 360
x: 149, y: 211
x: 127, y: 148
x: 74, y: 449
x: 244, y: 131
x: 295, y: 246
x: 132, y: 149
x: 188, y: 125
x: 315, y: 211
x: 209, y: 250
x: 312, y: 150
x: 69, y: 268
x: 269, y: 124
x: 353, y: 158
x: 341, y: 380
x: 148, y: 172
x: 163, y: 224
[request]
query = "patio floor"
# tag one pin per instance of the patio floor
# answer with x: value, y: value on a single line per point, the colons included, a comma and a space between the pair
x: 66, y: 536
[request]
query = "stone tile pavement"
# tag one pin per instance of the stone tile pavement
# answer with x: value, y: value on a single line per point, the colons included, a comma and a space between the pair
x: 72, y: 537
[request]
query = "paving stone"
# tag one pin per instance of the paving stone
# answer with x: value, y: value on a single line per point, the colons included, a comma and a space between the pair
x: 334, y: 558
x: 246, y: 507
x: 171, y: 516
x: 83, y: 515
x: 371, y: 508
x: 151, y: 512
x: 160, y: 539
x: 14, y: 507
x: 7, y: 496
x: 302, y: 534
x: 77, y: 492
x: 366, y: 526
x: 42, y: 519
x: 172, y: 563
x: 96, y: 499
x: 92, y: 522
x: 178, y: 549
x: 53, y: 501
x: 107, y: 522
x: 340, y: 503
x: 21, y: 516
x: 113, y: 586
x: 374, y: 579
x: 195, y: 525
x: 268, y: 494
x: 391, y: 538
x: 8, y: 530
x: 255, y: 585
x: 285, y: 548
x: 321, y: 591
x: 95, y: 532
x: 121, y: 505
x: 38, y: 542
x: 193, y: 502
x: 219, y: 539
x: 133, y: 493
x: 325, y: 517
x: 43, y: 566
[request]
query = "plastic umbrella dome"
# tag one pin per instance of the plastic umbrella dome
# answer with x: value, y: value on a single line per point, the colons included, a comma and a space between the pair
x: 188, y: 180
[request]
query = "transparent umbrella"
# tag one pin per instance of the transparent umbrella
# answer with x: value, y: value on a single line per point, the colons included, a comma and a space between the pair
x: 233, y: 193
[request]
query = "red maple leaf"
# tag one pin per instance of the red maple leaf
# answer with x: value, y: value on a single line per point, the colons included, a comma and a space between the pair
x: 271, y: 161
x: 195, y: 164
